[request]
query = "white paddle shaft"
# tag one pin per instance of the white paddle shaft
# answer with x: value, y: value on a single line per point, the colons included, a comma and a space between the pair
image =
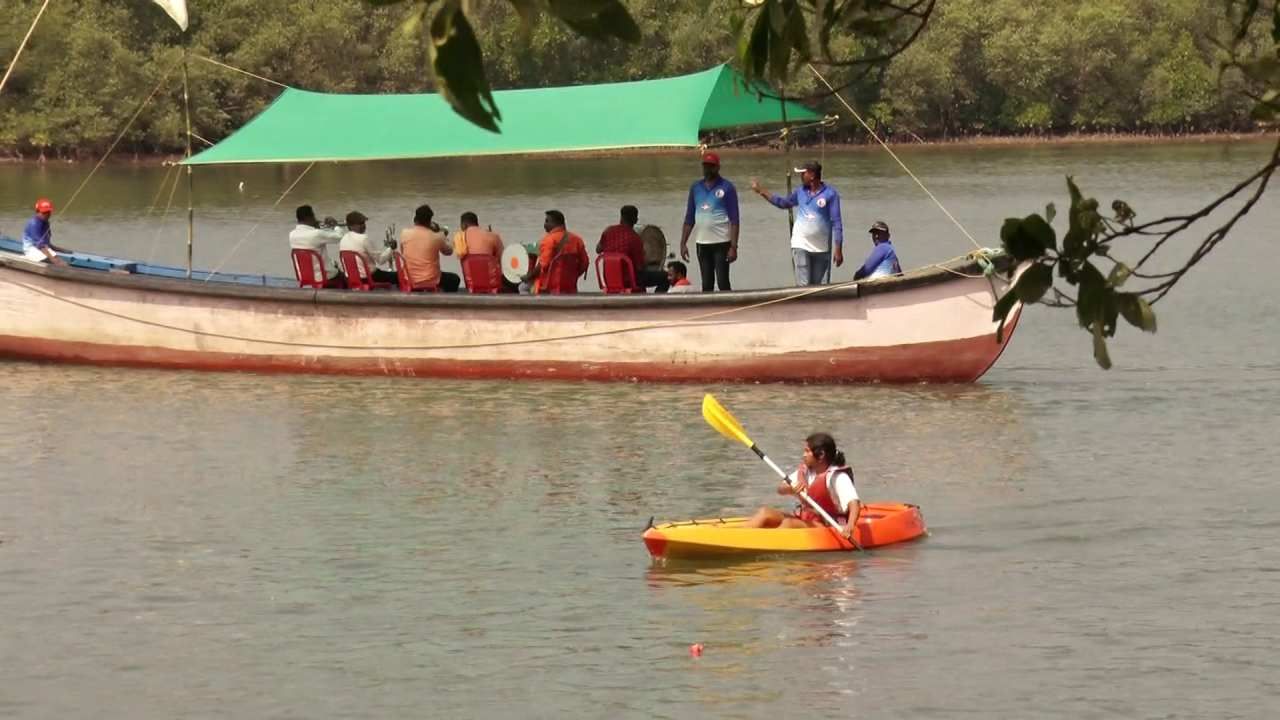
x: 805, y: 497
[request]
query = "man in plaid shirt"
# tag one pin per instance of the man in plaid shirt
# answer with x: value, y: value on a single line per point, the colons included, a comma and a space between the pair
x: 623, y: 238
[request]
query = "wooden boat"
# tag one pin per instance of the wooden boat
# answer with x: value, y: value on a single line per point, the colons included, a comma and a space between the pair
x: 880, y: 524
x: 932, y: 324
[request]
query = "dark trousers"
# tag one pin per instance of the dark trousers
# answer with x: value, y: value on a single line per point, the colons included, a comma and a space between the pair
x: 713, y: 260
x: 656, y: 279
x: 450, y: 282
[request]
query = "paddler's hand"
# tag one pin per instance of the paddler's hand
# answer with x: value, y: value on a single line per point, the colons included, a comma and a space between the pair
x: 839, y: 255
x: 784, y: 488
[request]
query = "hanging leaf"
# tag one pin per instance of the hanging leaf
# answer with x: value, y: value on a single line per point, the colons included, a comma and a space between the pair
x: 1027, y: 238
x: 597, y: 19
x: 1001, y: 311
x: 1034, y: 282
x: 1050, y: 212
x: 458, y: 65
x: 1119, y: 274
x: 1100, y: 353
x: 1137, y: 311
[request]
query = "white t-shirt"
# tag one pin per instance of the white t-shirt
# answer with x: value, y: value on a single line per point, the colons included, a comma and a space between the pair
x: 378, y: 254
x: 305, y: 237
x: 839, y: 487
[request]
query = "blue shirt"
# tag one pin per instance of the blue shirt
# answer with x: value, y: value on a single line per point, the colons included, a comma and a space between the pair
x: 711, y: 211
x: 818, y: 220
x: 37, y: 233
x: 882, y: 261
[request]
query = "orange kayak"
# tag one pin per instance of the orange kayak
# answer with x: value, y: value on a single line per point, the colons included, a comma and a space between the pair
x: 880, y: 524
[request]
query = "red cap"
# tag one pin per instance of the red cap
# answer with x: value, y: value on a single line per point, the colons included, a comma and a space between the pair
x: 44, y: 206
x: 710, y: 158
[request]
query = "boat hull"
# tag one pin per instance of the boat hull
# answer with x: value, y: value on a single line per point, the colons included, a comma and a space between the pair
x: 880, y: 524
x: 936, y: 327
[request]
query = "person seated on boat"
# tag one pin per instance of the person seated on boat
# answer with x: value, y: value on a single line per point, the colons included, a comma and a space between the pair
x: 883, y: 259
x: 422, y: 246
x: 678, y: 278
x: 311, y: 234
x: 560, y: 244
x: 827, y: 479
x: 37, y: 236
x: 623, y: 239
x: 471, y: 239
x: 377, y: 256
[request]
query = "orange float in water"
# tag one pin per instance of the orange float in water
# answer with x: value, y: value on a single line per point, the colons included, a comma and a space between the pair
x: 880, y: 524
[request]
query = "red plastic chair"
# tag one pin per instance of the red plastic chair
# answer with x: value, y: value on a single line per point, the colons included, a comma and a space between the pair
x: 562, y: 276
x: 406, y: 282
x: 615, y: 274
x: 482, y: 274
x: 359, y: 274
x: 308, y: 266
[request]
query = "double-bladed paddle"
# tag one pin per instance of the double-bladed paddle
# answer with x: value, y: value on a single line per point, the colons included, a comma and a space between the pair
x: 727, y: 425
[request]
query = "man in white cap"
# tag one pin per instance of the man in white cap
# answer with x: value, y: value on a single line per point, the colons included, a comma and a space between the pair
x: 883, y: 259
x: 817, y: 237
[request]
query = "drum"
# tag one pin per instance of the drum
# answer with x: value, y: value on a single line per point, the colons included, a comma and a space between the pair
x: 515, y: 262
x: 655, y: 247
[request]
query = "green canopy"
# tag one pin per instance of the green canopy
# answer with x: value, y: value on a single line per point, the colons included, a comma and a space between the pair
x: 303, y: 126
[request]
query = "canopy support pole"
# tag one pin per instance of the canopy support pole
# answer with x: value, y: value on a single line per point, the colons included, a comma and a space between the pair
x: 191, y: 213
x: 22, y: 46
x: 786, y: 154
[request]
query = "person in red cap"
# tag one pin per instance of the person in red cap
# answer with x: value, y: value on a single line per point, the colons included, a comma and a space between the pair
x: 711, y: 218
x: 37, y: 236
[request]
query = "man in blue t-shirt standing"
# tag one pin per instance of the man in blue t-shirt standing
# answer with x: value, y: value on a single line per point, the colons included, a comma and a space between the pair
x: 37, y: 236
x: 818, y: 233
x: 711, y: 218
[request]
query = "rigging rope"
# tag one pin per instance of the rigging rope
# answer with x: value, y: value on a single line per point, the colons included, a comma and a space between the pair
x: 173, y: 190
x: 257, y: 225
x: 67, y: 205
x: 21, y: 46
x: 236, y: 69
x: 894, y: 155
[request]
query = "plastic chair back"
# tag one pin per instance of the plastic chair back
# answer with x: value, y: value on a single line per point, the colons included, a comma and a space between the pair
x: 562, y: 276
x: 615, y: 273
x: 482, y: 273
x: 308, y: 266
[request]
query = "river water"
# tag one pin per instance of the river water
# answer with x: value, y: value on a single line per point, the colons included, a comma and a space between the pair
x: 1103, y: 544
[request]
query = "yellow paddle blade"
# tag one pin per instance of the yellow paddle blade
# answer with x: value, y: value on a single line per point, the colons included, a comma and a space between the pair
x: 723, y: 421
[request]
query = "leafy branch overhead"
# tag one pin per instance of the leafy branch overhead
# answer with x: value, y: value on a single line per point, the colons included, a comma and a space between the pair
x: 457, y: 60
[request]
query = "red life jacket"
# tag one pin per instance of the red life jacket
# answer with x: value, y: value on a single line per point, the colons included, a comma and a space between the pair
x: 818, y: 492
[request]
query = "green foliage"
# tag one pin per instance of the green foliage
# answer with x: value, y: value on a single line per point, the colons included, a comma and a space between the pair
x: 978, y: 67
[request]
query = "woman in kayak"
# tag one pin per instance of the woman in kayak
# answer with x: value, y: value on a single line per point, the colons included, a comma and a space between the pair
x: 827, y: 480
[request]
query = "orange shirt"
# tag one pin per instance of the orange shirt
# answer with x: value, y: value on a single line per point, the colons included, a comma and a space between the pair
x: 547, y: 252
x: 478, y: 241
x: 421, y: 248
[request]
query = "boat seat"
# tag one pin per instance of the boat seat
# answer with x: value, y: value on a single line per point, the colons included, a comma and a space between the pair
x: 308, y: 266
x: 562, y: 276
x: 482, y: 274
x: 406, y: 282
x: 616, y: 273
x: 359, y: 272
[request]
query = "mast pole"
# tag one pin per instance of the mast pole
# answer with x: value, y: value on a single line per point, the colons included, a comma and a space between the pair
x: 186, y: 111
x: 786, y: 154
x: 22, y: 46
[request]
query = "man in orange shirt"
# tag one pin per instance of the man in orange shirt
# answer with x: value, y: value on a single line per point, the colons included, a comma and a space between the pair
x: 422, y: 246
x: 473, y: 239
x: 559, y: 243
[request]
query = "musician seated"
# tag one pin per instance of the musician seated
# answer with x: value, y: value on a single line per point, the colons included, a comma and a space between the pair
x: 558, y: 244
x: 422, y: 245
x: 311, y: 234
x: 623, y: 239
x: 378, y: 254
x: 678, y: 276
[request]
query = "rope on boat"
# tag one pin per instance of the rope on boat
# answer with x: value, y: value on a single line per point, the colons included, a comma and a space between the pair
x: 894, y: 155
x: 257, y: 225
x: 211, y: 61
x: 22, y: 46
x: 173, y: 190
x: 697, y: 319
x: 163, y: 79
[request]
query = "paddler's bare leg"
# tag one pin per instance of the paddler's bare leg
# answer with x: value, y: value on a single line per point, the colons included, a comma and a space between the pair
x: 767, y: 517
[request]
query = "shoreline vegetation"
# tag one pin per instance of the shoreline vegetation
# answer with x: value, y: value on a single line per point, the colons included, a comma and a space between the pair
x: 967, y: 141
x: 982, y: 71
